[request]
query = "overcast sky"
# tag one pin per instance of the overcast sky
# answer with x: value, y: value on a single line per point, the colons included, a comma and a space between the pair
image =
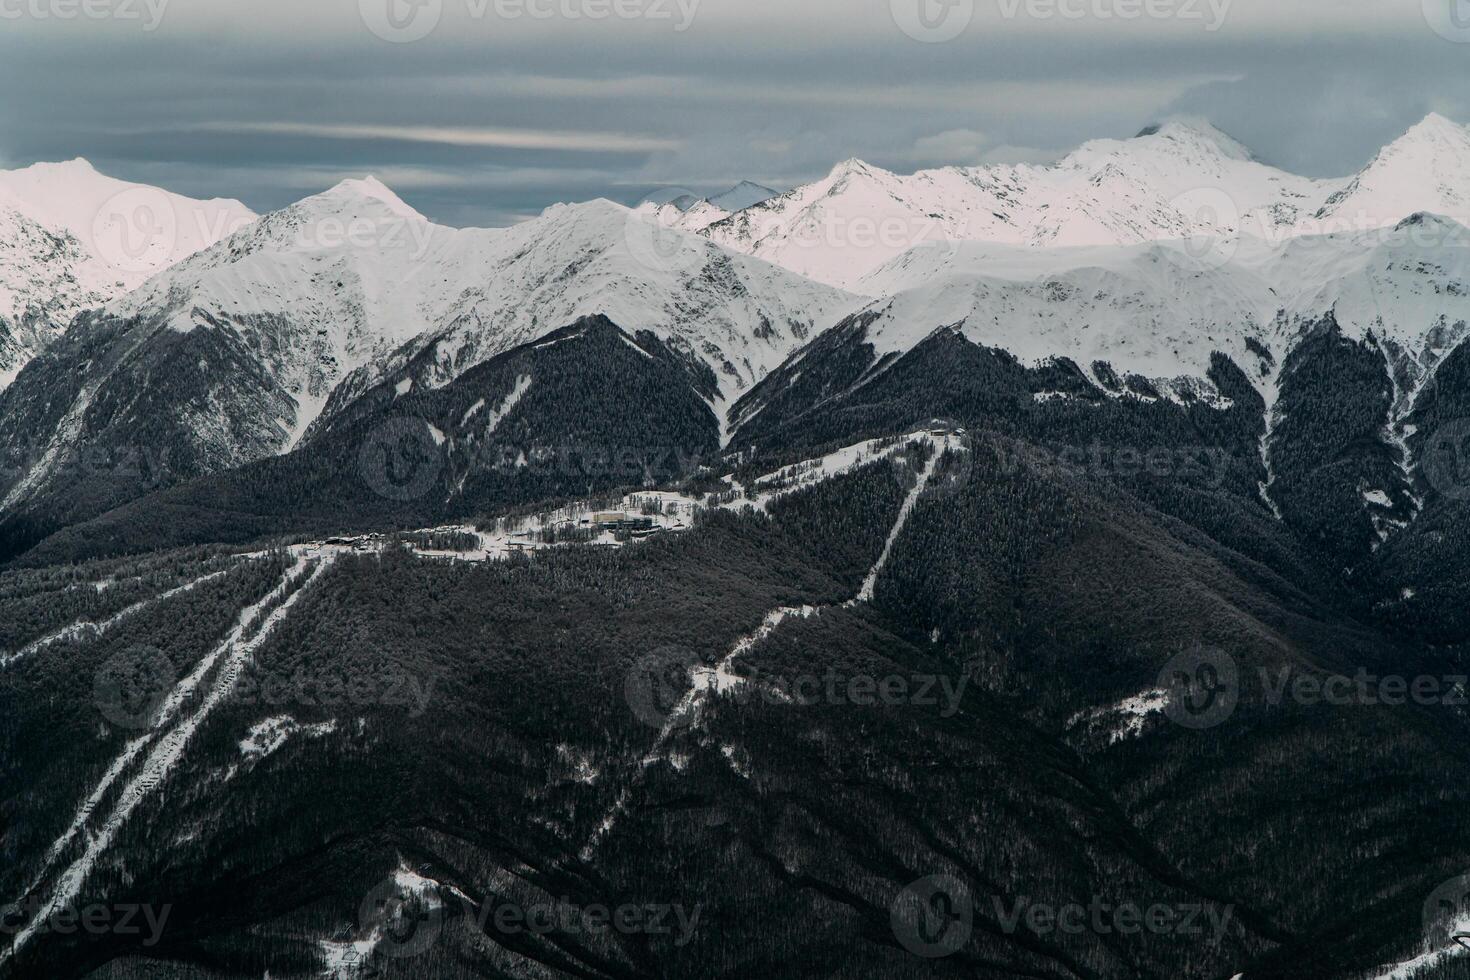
x: 503, y: 107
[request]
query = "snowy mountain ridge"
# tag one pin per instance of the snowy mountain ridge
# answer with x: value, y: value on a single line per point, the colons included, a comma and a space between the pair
x: 1182, y: 179
x: 1423, y: 170
x: 1107, y: 192
x: 72, y: 238
x: 741, y: 315
x: 354, y: 274
x: 694, y: 214
x: 1123, y: 252
x: 1162, y: 309
x: 232, y: 355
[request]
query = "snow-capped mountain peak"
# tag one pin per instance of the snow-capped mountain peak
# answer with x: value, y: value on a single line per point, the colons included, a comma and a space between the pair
x: 333, y: 284
x: 1196, y: 134
x: 350, y: 260
x: 349, y: 193
x: 74, y: 198
x: 694, y: 214
x: 686, y: 213
x: 853, y: 166
x: 1423, y: 170
x: 73, y: 238
x: 1434, y: 142
x: 741, y: 315
x: 1436, y: 126
x: 62, y: 171
x: 1107, y: 192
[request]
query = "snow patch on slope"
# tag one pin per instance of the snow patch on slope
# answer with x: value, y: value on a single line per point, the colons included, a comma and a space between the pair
x: 267, y: 736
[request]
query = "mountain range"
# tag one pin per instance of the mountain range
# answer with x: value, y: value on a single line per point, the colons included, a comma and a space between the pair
x: 1055, y: 435
x: 1148, y: 255
x: 1180, y: 180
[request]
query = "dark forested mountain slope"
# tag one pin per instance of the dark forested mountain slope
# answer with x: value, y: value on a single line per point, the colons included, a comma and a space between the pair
x: 119, y: 407
x: 1362, y: 474
x: 586, y: 409
x: 520, y: 767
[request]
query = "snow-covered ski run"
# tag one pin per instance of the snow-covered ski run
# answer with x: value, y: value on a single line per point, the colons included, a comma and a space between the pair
x: 91, y: 631
x: 708, y: 681
x: 232, y: 656
x: 218, y: 671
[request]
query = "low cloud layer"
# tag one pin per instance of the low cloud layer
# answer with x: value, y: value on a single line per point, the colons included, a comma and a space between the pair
x: 503, y: 107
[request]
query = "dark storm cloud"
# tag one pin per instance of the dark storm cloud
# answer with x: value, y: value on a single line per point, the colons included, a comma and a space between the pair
x: 486, y: 123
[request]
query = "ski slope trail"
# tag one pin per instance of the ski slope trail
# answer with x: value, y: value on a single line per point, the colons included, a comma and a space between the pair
x: 231, y: 657
x: 92, y: 631
x: 708, y: 681
x: 870, y: 584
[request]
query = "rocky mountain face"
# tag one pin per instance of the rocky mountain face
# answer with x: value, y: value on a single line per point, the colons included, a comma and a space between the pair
x: 40, y: 288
